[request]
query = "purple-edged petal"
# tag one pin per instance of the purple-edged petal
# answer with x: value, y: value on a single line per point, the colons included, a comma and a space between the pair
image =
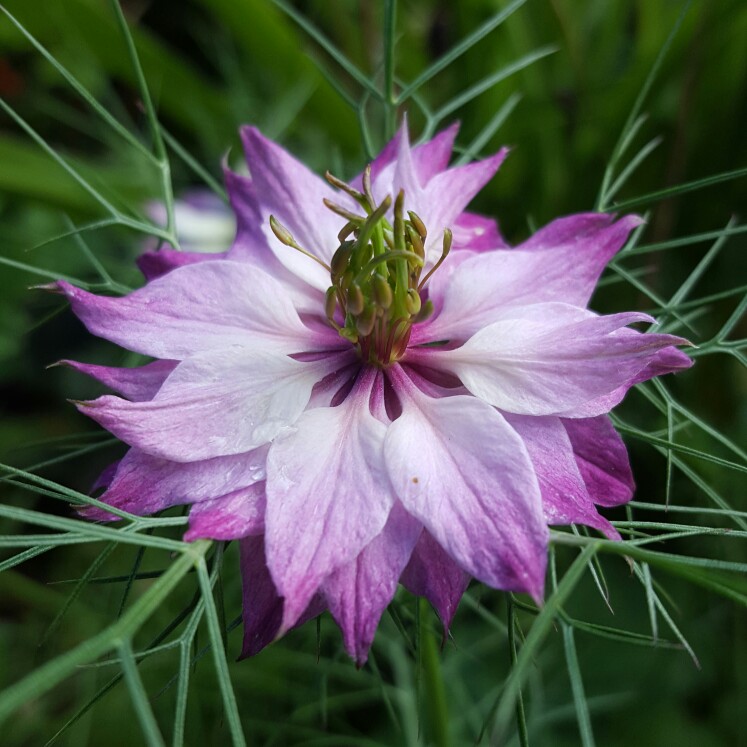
x: 432, y: 157
x: 158, y: 262
x: 565, y: 498
x: 256, y: 245
x: 448, y: 194
x: 428, y: 159
x: 194, y: 308
x: 233, y: 516
x: 144, y: 484
x: 215, y: 404
x: 359, y: 592
x: 664, y: 361
x: 431, y: 573
x: 561, y: 262
x: 553, y: 359
x: 602, y: 459
x: 328, y: 495
x: 262, y: 610
x: 137, y: 384
x: 288, y: 190
x: 476, y: 232
x: 459, y: 468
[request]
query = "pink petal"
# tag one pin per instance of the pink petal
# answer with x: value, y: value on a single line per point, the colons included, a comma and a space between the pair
x: 194, y: 308
x: 565, y: 498
x: 328, y: 495
x: 602, y: 459
x: 215, y: 404
x: 137, y: 384
x: 359, y: 592
x: 552, y: 358
x: 459, y: 468
x: 288, y: 190
x: 233, y: 516
x: 144, y: 484
x: 431, y: 573
x: 561, y: 262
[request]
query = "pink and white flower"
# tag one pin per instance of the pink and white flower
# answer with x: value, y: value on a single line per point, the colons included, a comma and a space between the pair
x: 374, y: 391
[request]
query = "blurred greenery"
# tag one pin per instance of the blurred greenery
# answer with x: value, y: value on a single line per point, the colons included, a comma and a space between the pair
x: 307, y: 73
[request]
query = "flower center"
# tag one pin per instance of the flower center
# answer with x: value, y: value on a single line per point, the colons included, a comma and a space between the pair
x: 376, y: 293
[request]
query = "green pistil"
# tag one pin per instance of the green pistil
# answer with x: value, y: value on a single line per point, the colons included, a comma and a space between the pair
x: 375, y: 295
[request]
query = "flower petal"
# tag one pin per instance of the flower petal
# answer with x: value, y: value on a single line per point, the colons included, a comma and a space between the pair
x: 328, y: 495
x: 602, y: 459
x: 432, y: 157
x: 262, y: 608
x: 428, y: 158
x: 158, y: 262
x: 233, y: 516
x: 448, y: 194
x: 431, y: 573
x: 553, y: 358
x: 215, y: 404
x: 561, y: 262
x: 144, y: 484
x: 194, y: 308
x: 359, y: 592
x: 476, y: 232
x: 565, y: 498
x: 137, y: 384
x: 288, y: 190
x: 459, y: 468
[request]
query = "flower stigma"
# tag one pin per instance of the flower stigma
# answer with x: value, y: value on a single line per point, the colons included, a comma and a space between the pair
x: 376, y: 293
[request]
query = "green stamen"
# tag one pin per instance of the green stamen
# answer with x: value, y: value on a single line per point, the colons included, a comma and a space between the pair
x: 375, y: 272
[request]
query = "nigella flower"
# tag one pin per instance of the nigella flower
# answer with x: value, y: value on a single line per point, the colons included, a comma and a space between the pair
x: 371, y: 387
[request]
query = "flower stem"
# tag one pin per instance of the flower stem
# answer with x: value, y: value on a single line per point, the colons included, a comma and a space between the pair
x: 520, y: 715
x: 436, y: 716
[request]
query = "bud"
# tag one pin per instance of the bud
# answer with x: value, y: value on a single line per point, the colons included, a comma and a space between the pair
x: 283, y: 235
x: 355, y: 301
x: 382, y: 292
x: 416, y: 241
x: 330, y: 302
x: 412, y: 301
x: 448, y: 237
x: 365, y: 322
x: 340, y: 259
x: 343, y: 212
x: 424, y: 313
x: 418, y: 224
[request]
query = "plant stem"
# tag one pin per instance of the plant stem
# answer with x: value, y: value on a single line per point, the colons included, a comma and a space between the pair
x: 520, y: 715
x: 436, y: 710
